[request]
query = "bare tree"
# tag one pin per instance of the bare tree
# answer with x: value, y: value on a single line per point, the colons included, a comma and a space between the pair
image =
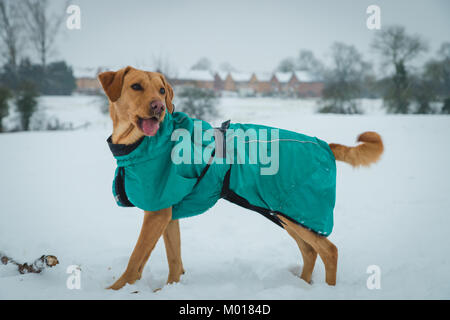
x: 227, y: 67
x: 286, y: 65
x: 202, y: 64
x: 42, y: 26
x: 198, y: 103
x: 344, y: 80
x: 5, y: 95
x: 306, y: 61
x: 26, y: 103
x: 397, y: 49
x: 161, y: 63
x: 437, y: 75
x: 10, y: 31
x: 444, y: 51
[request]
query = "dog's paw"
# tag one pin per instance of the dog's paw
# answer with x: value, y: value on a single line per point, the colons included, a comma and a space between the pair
x: 308, y: 280
x: 175, y: 277
x: 119, y: 284
x: 123, y: 280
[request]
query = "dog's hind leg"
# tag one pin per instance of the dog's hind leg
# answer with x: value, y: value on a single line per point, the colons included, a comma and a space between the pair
x: 154, y: 225
x: 172, y: 243
x: 324, y: 247
x: 308, y: 253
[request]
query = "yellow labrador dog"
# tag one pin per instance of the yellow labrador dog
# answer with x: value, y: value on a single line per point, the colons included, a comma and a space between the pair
x: 139, y: 101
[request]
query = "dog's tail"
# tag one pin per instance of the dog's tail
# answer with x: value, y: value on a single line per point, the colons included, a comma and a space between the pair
x: 366, y: 153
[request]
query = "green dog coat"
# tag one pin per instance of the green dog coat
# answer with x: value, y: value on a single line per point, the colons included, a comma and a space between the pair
x: 190, y: 166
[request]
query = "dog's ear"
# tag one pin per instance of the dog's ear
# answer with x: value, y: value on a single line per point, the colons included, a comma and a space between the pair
x: 169, y: 93
x: 112, y: 82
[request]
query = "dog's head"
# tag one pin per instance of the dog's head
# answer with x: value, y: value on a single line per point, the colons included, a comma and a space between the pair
x: 139, y: 99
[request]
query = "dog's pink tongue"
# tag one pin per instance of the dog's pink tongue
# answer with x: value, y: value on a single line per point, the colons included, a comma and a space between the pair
x: 150, y: 126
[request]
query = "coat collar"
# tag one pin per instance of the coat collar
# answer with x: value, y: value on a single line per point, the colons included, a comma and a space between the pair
x: 119, y: 150
x: 146, y: 147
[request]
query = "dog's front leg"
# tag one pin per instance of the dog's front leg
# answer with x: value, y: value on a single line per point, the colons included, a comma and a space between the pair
x: 155, y: 223
x: 172, y: 243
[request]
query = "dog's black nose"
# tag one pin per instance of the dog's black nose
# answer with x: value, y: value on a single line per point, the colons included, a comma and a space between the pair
x: 157, y: 106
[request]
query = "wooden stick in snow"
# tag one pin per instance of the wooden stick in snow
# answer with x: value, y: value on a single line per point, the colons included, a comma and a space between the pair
x: 45, y: 261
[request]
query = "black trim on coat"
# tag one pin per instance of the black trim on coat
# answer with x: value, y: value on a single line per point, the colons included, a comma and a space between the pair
x: 119, y: 150
x: 119, y: 186
x: 233, y: 197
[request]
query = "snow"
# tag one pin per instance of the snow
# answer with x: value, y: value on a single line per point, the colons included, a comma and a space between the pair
x: 197, y: 75
x: 222, y: 74
x: 241, y: 76
x: 85, y: 72
x: 56, y: 199
x: 303, y: 76
x: 264, y: 76
x: 283, y: 77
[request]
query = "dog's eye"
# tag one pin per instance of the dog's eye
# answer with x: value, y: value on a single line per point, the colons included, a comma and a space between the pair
x: 137, y: 87
x: 162, y: 90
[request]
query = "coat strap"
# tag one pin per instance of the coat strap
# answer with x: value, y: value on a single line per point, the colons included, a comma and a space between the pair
x: 220, y: 138
x: 220, y: 148
x: 205, y: 169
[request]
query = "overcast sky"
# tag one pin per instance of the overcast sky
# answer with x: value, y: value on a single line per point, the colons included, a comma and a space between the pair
x: 250, y: 35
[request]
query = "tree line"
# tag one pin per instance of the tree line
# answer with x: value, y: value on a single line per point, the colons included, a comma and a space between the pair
x: 28, y: 30
x: 405, y: 88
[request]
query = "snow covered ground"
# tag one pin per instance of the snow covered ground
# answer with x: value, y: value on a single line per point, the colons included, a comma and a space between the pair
x: 55, y: 198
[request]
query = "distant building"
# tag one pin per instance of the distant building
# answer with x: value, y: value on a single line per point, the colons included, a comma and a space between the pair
x: 287, y: 83
x: 194, y: 78
x: 292, y: 84
x: 307, y: 85
x: 241, y: 82
x: 228, y: 83
x: 219, y: 80
x: 310, y: 89
x: 261, y: 83
x: 86, y: 80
